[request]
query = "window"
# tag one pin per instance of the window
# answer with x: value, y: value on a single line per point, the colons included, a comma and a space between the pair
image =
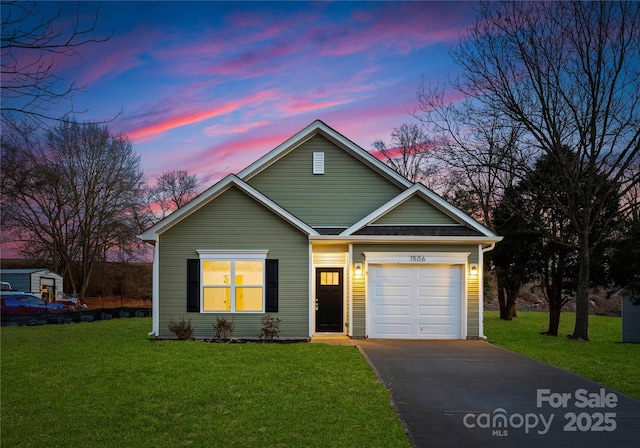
x: 329, y: 278
x: 233, y: 281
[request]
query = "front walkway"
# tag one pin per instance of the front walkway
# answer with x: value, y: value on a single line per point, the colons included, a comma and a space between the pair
x: 474, y: 394
x: 332, y: 340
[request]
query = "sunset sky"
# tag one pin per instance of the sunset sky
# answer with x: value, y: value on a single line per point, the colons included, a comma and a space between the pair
x: 209, y: 87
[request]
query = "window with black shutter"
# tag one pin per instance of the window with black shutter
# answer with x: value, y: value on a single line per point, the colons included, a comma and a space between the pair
x: 271, y: 284
x: 193, y: 285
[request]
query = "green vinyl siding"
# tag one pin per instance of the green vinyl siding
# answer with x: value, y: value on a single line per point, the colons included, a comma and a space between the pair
x: 416, y: 211
x: 234, y: 221
x: 359, y: 285
x: 347, y: 191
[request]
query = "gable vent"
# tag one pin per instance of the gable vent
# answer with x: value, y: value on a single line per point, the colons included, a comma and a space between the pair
x: 318, y: 163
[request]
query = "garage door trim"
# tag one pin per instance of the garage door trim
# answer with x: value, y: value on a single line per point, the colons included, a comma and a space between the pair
x: 419, y: 259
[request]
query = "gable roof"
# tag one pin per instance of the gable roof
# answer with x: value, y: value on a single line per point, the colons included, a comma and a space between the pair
x: 432, y: 198
x: 315, y: 128
x: 213, y: 192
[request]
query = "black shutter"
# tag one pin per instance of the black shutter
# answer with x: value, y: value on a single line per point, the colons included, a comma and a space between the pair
x: 193, y: 285
x: 271, y: 284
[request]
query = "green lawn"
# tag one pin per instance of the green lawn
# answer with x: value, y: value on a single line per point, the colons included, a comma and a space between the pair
x: 603, y: 359
x: 105, y: 384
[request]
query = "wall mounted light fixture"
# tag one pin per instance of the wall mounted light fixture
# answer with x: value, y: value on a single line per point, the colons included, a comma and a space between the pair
x: 473, y: 269
x: 358, y: 269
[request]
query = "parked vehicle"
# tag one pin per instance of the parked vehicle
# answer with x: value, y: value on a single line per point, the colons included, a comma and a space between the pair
x: 22, y: 303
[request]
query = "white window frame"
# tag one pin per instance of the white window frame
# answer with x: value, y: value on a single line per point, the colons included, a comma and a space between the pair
x: 232, y: 256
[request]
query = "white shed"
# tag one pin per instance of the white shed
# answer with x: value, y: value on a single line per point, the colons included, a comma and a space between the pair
x: 33, y: 280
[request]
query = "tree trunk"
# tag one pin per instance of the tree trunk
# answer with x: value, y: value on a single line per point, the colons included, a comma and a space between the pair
x: 555, y: 309
x: 581, y: 329
x: 502, y: 301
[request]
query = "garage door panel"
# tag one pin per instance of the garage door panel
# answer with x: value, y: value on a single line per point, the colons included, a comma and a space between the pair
x: 435, y: 272
x: 394, y: 272
x: 428, y: 292
x: 393, y: 291
x: 392, y: 310
x: 444, y: 310
x: 437, y: 331
x: 434, y: 320
x: 394, y: 330
x: 417, y: 302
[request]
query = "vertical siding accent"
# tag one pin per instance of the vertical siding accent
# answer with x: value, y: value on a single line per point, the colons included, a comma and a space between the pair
x: 347, y: 191
x: 235, y: 221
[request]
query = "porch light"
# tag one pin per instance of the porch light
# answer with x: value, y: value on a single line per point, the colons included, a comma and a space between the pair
x: 358, y: 269
x: 473, y: 269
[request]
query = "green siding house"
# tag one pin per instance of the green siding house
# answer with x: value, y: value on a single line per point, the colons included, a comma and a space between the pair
x: 327, y: 238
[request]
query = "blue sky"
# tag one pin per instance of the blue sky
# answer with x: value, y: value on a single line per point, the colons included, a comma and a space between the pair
x: 209, y: 87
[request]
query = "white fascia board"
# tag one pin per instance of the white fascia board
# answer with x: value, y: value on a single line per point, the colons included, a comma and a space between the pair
x: 424, y: 257
x: 213, y: 192
x: 330, y: 133
x: 405, y: 239
x: 436, y: 200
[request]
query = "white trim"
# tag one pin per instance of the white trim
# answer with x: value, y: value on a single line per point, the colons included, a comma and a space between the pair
x: 416, y: 258
x: 310, y: 289
x: 241, y: 254
x: 232, y: 256
x: 404, y: 239
x: 155, y: 291
x: 432, y: 198
x: 344, y: 301
x: 464, y: 297
x: 481, y: 252
x: 352, y: 277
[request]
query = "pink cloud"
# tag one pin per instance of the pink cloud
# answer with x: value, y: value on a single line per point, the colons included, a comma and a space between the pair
x: 219, y: 129
x: 163, y: 123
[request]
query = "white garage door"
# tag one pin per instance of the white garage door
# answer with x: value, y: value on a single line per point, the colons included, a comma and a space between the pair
x: 414, y: 302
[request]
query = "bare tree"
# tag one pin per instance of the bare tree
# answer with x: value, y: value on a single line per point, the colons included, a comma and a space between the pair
x: 409, y: 154
x: 70, y: 195
x: 173, y: 189
x: 474, y: 146
x: 568, y: 75
x: 30, y: 43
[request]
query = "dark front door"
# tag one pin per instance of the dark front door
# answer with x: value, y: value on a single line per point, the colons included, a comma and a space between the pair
x: 329, y: 307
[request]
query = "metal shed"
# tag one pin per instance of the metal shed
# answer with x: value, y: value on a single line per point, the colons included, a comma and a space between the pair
x: 33, y: 280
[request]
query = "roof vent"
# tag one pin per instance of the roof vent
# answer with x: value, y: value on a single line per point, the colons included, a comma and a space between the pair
x: 318, y: 163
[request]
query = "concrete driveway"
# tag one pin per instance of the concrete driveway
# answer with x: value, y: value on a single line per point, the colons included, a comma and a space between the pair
x: 474, y: 394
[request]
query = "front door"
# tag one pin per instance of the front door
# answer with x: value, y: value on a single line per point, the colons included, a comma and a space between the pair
x: 329, y: 306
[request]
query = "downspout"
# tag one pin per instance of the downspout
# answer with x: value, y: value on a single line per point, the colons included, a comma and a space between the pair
x: 483, y: 250
x: 155, y: 288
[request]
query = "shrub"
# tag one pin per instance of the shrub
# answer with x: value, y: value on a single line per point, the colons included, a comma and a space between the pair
x: 270, y: 328
x: 182, y: 329
x: 223, y: 328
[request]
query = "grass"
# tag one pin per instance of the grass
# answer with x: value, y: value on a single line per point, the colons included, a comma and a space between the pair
x: 603, y: 359
x: 105, y: 384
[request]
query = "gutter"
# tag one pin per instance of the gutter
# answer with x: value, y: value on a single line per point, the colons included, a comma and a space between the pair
x: 484, y: 250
